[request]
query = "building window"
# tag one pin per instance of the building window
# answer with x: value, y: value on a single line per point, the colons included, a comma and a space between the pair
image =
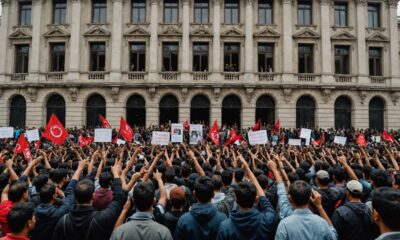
x: 342, y: 60
x: 22, y: 58
x: 170, y: 57
x: 171, y: 11
x: 304, y: 12
x: 375, y: 61
x: 57, y: 57
x: 306, y: 58
x: 265, y: 12
x: 374, y: 16
x: 59, y: 11
x: 138, y: 11
x: 25, y: 10
x: 99, y: 11
x: 340, y: 14
x: 97, y: 56
x: 200, y: 57
x: 265, y: 57
x: 232, y: 13
x: 201, y: 11
x: 231, y: 57
x: 137, y: 57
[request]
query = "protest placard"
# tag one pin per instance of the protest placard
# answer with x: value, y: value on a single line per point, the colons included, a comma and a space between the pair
x: 32, y: 135
x: 340, y: 140
x: 176, y: 132
x: 6, y: 132
x: 120, y: 142
x: 305, y: 133
x: 195, y: 134
x: 294, y: 142
x: 160, y: 138
x: 102, y: 134
x: 258, y: 137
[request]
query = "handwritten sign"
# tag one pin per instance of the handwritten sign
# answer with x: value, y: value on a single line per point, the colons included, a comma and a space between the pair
x: 305, y: 133
x: 294, y: 142
x: 340, y: 140
x: 176, y: 132
x: 102, y: 134
x: 195, y: 134
x: 32, y: 135
x: 160, y: 138
x: 258, y: 137
x: 6, y: 132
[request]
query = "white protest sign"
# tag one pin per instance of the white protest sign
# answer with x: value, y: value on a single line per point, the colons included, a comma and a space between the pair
x: 376, y: 139
x: 102, y: 134
x: 6, y: 132
x: 257, y: 137
x: 32, y: 135
x: 305, y: 133
x: 195, y: 134
x: 294, y: 142
x: 120, y: 142
x: 160, y: 138
x: 176, y: 132
x: 340, y: 140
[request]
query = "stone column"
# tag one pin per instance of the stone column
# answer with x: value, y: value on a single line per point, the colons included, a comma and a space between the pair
x: 326, y: 43
x: 153, y: 69
x: 74, y: 46
x: 287, y: 48
x: 216, y: 37
x: 185, y: 38
x: 361, y: 45
x: 394, y: 40
x: 35, y: 48
x: 249, y: 66
x: 116, y: 44
x: 3, y: 39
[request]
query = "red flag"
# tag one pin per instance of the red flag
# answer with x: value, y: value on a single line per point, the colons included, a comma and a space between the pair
x: 234, y: 137
x: 186, y: 125
x: 321, y: 140
x: 37, y: 144
x: 125, y: 130
x: 104, y: 122
x: 214, y: 133
x: 85, y: 141
x: 361, y: 140
x: 257, y: 125
x: 55, y: 131
x: 276, y: 125
x: 23, y: 147
x: 387, y: 137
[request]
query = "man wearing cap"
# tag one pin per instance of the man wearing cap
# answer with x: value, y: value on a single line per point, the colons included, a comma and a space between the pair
x: 330, y: 195
x: 353, y: 220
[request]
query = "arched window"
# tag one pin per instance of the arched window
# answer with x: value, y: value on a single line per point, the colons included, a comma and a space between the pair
x: 136, y: 111
x: 200, y: 109
x: 95, y: 105
x: 265, y: 109
x: 305, y: 112
x: 18, y: 112
x: 376, y: 113
x: 343, y: 112
x: 231, y: 111
x: 56, y: 104
x: 169, y: 109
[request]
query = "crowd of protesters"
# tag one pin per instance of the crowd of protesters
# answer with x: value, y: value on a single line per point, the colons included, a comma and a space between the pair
x: 181, y: 191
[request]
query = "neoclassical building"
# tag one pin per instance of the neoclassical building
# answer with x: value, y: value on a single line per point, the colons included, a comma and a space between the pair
x: 313, y: 63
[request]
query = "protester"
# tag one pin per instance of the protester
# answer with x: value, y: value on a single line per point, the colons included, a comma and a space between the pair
x: 21, y: 221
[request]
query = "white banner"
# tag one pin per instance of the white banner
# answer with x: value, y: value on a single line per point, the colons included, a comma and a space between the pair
x: 177, y: 132
x: 195, y: 134
x: 294, y: 142
x: 102, y: 135
x: 340, y: 140
x: 32, y: 135
x: 305, y: 133
x: 120, y: 142
x: 258, y: 137
x: 160, y: 138
x: 6, y: 132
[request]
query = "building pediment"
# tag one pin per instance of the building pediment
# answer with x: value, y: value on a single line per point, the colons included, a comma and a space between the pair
x: 343, y: 36
x: 201, y: 31
x: 232, y: 32
x: 20, y: 34
x: 377, y: 37
x: 97, y: 32
x: 56, y: 32
x: 307, y: 33
x: 137, y: 31
x: 171, y: 31
x: 267, y: 32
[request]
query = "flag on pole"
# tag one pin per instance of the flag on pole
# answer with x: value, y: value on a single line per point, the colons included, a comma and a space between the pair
x: 83, y: 142
x: 55, y: 131
x: 387, y: 137
x: 186, y: 125
x: 234, y: 137
x: 23, y: 147
x: 104, y: 122
x: 361, y: 140
x: 125, y: 130
x: 276, y: 125
x: 256, y: 126
x: 214, y: 133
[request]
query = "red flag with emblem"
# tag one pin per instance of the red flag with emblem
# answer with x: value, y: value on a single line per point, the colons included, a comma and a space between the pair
x: 23, y: 147
x: 361, y: 140
x: 213, y: 134
x: 125, y: 130
x: 55, y: 131
x: 387, y: 137
x: 104, y: 122
x: 186, y: 125
x: 83, y: 142
x: 256, y: 126
x: 234, y: 137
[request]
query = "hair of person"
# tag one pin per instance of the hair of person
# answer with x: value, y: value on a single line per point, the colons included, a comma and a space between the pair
x: 292, y: 176
x: 105, y: 179
x: 84, y: 191
x: 217, y: 182
x: 143, y: 195
x: 226, y: 177
x: 204, y: 189
x: 178, y: 170
x: 19, y: 216
x: 59, y: 174
x: 381, y: 178
x: 324, y: 182
x: 239, y: 174
x: 300, y: 192
x: 186, y: 170
x: 386, y: 201
x: 263, y: 181
x: 397, y: 179
x: 170, y: 175
x: 47, y: 192
x: 339, y: 174
x: 17, y: 191
x: 40, y: 180
x: 246, y: 194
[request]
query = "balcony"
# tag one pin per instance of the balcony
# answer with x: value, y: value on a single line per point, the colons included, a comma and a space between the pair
x: 55, y: 76
x: 377, y: 80
x: 169, y: 76
x: 19, y: 76
x: 136, y: 75
x: 342, y: 78
x: 266, y: 77
x: 232, y: 76
x: 306, y: 77
x: 200, y: 76
x: 96, y: 75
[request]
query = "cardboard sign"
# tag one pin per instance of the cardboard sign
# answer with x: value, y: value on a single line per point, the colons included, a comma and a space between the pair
x: 160, y: 138
x: 176, y: 132
x: 120, y: 142
x: 340, y: 140
x: 195, y: 134
x: 258, y: 137
x: 6, y: 132
x: 294, y: 142
x: 32, y: 135
x: 102, y: 135
x: 305, y: 133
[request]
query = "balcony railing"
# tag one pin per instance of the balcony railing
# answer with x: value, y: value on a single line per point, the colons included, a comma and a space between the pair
x: 96, y: 75
x: 19, y: 76
x: 169, y: 76
x: 377, y: 80
x: 55, y: 76
x: 268, y: 77
x: 343, y: 78
x: 200, y: 76
x: 136, y: 75
x: 306, y: 77
x: 232, y: 76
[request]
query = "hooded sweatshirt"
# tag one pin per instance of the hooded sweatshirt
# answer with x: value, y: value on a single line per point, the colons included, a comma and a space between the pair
x: 256, y: 223
x: 200, y: 223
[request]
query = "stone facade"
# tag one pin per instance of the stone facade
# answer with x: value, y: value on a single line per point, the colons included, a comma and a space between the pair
x: 285, y: 85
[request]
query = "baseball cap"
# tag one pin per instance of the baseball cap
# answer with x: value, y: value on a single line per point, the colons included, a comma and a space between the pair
x: 322, y: 174
x: 354, y: 186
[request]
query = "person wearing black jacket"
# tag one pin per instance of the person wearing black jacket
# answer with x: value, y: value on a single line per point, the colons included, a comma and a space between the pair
x: 84, y: 222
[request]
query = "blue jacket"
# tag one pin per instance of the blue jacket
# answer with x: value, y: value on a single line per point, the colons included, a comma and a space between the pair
x: 200, y: 223
x: 257, y: 223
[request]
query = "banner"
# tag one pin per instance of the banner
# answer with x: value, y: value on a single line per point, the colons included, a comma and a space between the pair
x: 6, y: 132
x: 176, y: 132
x: 258, y: 137
x: 102, y: 134
x: 160, y: 138
x: 32, y: 135
x: 294, y: 142
x: 340, y: 140
x: 195, y: 134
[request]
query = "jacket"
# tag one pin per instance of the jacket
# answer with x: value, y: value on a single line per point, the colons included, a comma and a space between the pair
x: 227, y: 203
x: 84, y: 222
x: 200, y: 223
x: 170, y: 219
x: 257, y: 223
